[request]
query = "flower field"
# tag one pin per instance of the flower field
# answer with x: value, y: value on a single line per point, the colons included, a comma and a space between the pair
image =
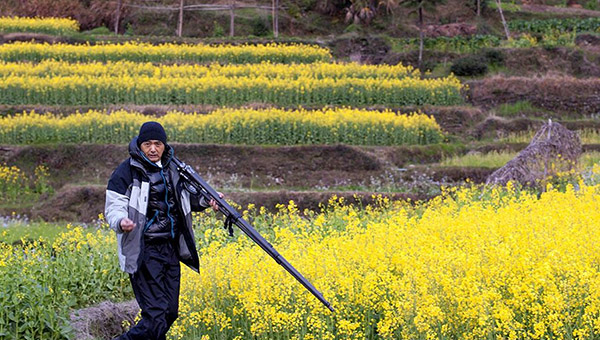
x: 229, y: 126
x: 502, y: 264
x: 296, y: 84
x: 38, y: 25
x: 273, y: 120
x: 317, y: 70
x: 142, y: 52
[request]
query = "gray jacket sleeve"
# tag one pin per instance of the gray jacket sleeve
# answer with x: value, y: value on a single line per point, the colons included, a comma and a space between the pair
x: 117, y: 196
x: 115, y: 209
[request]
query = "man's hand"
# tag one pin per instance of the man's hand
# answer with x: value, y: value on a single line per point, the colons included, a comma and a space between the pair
x: 127, y: 225
x: 214, y: 204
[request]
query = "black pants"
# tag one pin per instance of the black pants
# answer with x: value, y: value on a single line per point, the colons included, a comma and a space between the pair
x: 156, y: 289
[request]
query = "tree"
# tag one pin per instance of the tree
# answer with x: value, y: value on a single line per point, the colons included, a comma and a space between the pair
x: 499, y: 4
x: 419, y: 6
x: 118, y: 15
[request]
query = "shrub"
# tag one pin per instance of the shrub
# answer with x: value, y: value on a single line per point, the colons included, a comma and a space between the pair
x: 493, y: 56
x: 218, y: 30
x: 473, y: 65
x: 591, y: 5
x: 259, y: 27
x: 102, y: 30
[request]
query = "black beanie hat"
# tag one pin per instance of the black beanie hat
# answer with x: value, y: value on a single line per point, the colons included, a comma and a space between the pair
x: 152, y: 131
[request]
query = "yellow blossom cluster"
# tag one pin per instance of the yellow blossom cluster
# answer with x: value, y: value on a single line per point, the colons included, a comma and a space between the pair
x: 500, y: 263
x: 168, y: 52
x: 284, y: 85
x: 318, y: 70
x: 38, y: 25
x: 231, y: 126
x: 12, y: 182
x: 503, y: 264
x: 16, y: 186
x: 11, y: 174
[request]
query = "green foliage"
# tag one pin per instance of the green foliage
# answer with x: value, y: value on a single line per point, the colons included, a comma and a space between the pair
x: 524, y: 41
x: 506, y: 7
x: 592, y: 5
x: 494, y: 56
x: 517, y: 108
x: 18, y: 187
x: 352, y: 28
x: 102, y: 30
x: 218, y: 30
x: 555, y: 38
x: 589, y: 159
x: 260, y: 27
x: 472, y: 65
x: 43, y: 280
x: 129, y: 30
x: 545, y: 26
x: 456, y: 44
x: 497, y: 159
x: 587, y: 136
x: 17, y: 230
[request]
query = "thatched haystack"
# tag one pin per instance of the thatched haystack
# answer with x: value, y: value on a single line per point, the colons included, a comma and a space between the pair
x: 554, y: 149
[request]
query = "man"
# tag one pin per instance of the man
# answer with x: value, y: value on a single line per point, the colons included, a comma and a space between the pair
x: 149, y: 208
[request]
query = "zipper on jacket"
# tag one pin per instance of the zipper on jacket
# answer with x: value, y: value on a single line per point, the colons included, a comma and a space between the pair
x: 151, y: 221
x: 167, y: 202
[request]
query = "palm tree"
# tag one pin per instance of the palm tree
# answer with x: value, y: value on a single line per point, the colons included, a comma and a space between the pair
x: 361, y: 11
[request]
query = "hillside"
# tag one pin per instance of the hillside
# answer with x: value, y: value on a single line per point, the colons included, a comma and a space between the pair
x: 301, y: 132
x: 510, y: 89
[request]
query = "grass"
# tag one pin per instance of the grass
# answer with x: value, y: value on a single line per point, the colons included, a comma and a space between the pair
x: 589, y: 159
x: 440, y: 70
x: 522, y: 107
x: 14, y: 229
x: 492, y: 159
x: 506, y: 7
x: 496, y: 159
x: 588, y: 136
x: 494, y: 68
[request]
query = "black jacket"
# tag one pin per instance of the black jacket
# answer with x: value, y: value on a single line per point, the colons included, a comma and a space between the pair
x: 129, y: 195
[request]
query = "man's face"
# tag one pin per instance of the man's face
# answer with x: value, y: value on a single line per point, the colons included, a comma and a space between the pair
x: 153, y: 149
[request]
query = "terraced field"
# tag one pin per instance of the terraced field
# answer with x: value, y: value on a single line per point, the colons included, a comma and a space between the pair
x: 366, y: 177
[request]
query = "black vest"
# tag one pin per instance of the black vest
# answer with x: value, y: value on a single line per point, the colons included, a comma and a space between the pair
x: 162, y: 211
